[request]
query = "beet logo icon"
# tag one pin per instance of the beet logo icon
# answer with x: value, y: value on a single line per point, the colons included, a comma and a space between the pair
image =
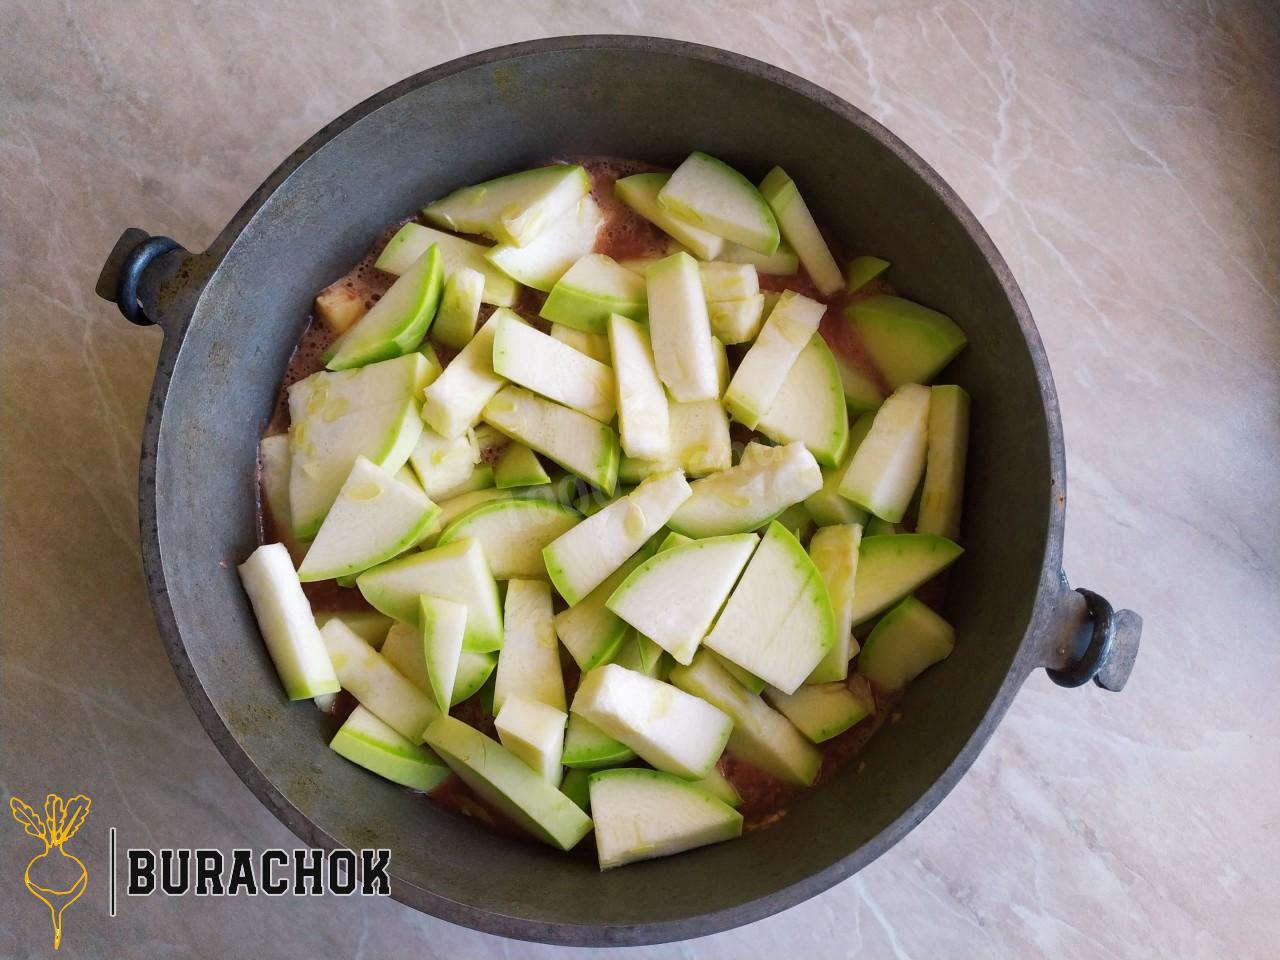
x: 54, y: 876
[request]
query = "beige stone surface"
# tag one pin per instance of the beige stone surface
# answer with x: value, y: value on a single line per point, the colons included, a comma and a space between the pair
x: 1126, y: 159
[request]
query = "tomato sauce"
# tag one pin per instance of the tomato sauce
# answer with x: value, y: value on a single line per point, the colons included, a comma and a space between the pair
x: 623, y: 235
x: 453, y: 794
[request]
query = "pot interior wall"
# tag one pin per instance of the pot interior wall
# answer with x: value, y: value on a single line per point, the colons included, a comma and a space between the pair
x: 488, y: 120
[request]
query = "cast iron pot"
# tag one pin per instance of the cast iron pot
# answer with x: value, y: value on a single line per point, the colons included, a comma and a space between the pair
x: 232, y: 315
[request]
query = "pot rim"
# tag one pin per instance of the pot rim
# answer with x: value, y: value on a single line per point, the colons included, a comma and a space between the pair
x: 1029, y: 656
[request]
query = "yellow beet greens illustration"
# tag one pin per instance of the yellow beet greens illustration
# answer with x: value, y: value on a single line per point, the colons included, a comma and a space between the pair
x: 54, y: 876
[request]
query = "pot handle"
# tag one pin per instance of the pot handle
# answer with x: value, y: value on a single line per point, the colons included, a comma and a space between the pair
x: 1093, y: 641
x: 138, y: 274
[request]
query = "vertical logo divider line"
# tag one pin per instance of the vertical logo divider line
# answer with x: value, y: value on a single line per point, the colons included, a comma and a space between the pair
x: 113, y: 871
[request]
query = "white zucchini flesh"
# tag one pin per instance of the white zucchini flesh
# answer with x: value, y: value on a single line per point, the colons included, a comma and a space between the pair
x: 642, y: 814
x: 287, y: 625
x: 668, y: 728
x: 381, y: 689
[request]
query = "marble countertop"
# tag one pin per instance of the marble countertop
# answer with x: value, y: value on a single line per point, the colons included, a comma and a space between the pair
x: 1126, y: 160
